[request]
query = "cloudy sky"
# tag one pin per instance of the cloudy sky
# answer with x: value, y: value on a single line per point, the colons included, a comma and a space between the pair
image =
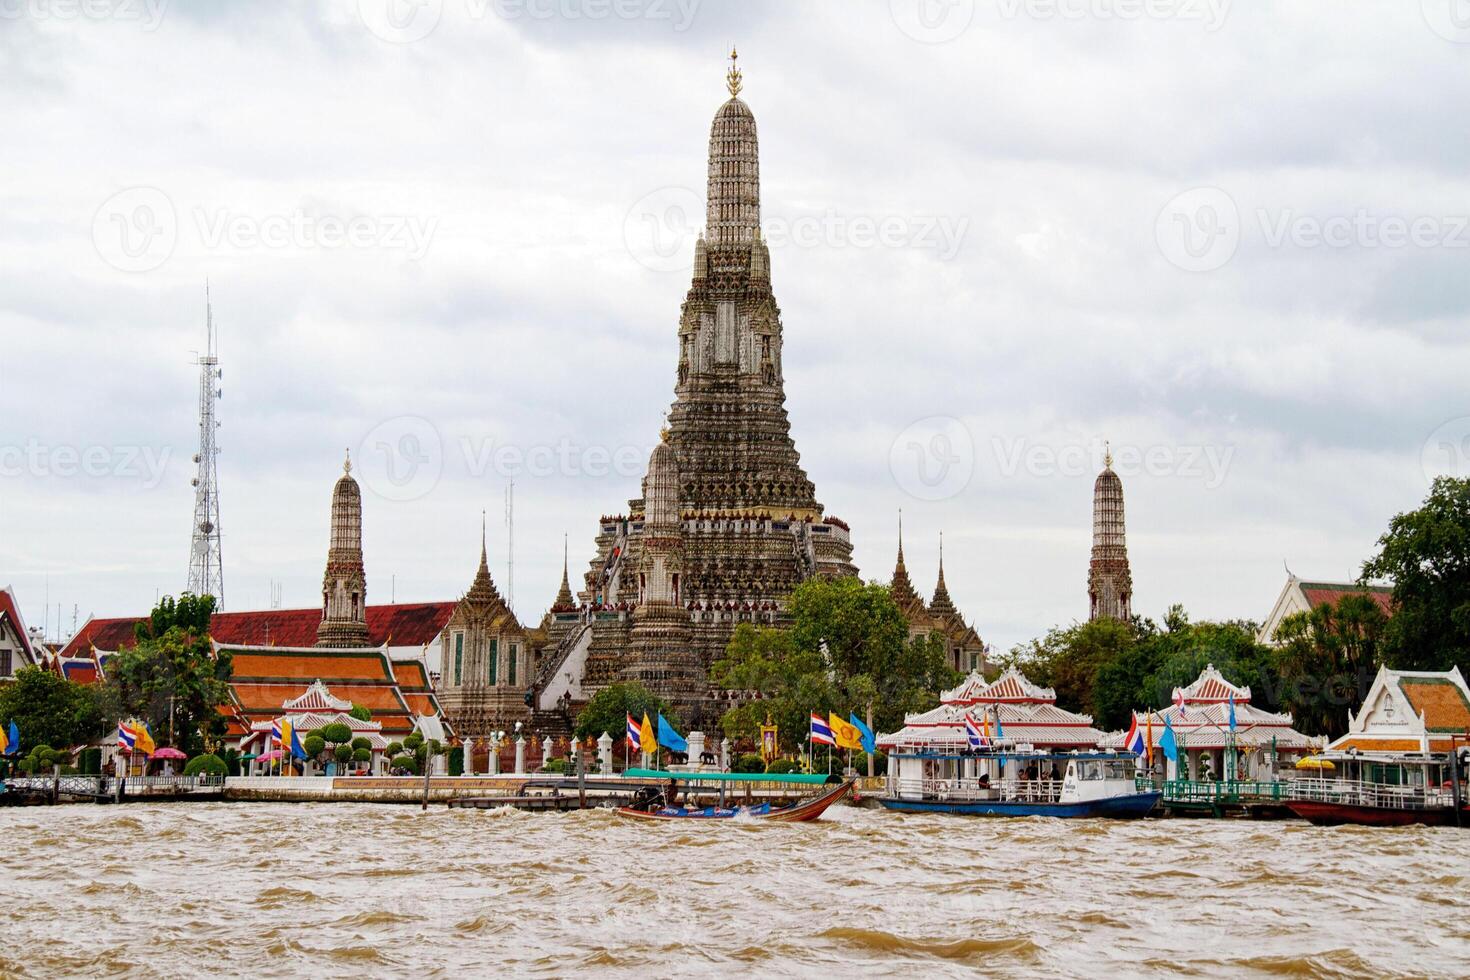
x: 454, y: 236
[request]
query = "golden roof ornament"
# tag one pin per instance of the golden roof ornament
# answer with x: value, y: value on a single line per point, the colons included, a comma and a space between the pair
x: 347, y: 463
x: 733, y: 78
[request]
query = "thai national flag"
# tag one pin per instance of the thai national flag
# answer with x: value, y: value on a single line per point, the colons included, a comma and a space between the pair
x: 1135, y: 741
x: 634, y: 733
x: 125, y: 737
x: 821, y: 731
x: 972, y: 730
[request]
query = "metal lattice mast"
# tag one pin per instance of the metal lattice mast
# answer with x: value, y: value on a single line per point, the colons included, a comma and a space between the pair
x: 206, y: 566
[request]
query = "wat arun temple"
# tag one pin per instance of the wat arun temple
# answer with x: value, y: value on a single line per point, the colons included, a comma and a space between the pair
x: 729, y: 523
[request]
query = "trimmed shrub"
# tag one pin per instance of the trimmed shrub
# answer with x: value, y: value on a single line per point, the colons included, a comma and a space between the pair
x: 337, y: 734
x: 559, y: 766
x: 413, y: 741
x: 314, y: 745
x: 362, y: 755
x: 206, y: 765
x: 395, y: 749
x: 783, y: 765
x: 343, y: 753
x: 749, y: 762
x: 361, y: 742
x: 361, y: 713
x: 406, y: 762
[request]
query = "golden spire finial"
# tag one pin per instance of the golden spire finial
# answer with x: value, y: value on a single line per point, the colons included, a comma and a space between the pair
x: 663, y: 432
x: 733, y: 76
x: 1107, y: 454
x: 347, y: 463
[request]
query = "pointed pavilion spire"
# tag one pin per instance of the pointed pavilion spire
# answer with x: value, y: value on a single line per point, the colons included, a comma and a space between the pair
x: 482, y: 589
x: 901, y: 587
x: 564, y: 598
x: 942, y: 604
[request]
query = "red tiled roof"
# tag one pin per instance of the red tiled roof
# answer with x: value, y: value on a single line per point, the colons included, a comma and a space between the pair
x: 1322, y: 593
x: 79, y: 671
x: 403, y: 624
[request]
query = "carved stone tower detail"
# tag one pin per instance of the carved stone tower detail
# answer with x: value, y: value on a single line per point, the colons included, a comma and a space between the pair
x: 1109, y: 581
x: 344, y: 586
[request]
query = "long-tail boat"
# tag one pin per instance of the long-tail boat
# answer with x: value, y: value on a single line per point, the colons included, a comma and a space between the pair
x: 662, y: 803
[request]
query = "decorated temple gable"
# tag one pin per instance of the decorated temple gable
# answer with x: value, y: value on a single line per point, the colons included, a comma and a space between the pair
x: 749, y: 525
x: 1410, y: 711
x: 1299, y: 596
x: 488, y: 659
x: 1016, y: 712
x: 16, y: 650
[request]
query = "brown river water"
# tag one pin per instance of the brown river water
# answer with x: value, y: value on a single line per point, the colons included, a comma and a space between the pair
x: 364, y: 890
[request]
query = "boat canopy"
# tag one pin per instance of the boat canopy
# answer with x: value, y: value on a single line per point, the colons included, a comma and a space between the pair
x: 803, y: 778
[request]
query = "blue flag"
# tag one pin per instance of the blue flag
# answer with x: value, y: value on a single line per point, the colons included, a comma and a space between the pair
x: 12, y: 740
x: 296, y: 750
x: 1167, y: 743
x: 669, y: 738
x: 1232, y: 712
x: 870, y: 744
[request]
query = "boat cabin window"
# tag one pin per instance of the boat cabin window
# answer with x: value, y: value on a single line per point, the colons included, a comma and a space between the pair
x: 1118, y: 769
x: 1089, y: 769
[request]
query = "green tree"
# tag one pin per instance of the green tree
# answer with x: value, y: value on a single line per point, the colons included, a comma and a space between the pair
x: 1326, y: 661
x: 1425, y: 553
x: 337, y: 733
x: 171, y: 678
x: 848, y: 651
x: 361, y: 713
x: 51, y: 711
x: 610, y: 707
x: 206, y: 765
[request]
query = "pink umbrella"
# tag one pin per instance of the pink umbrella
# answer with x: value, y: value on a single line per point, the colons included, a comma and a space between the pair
x: 169, y: 753
x: 270, y: 756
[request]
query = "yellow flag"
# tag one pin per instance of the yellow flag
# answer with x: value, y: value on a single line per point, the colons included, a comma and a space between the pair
x: 144, y: 740
x: 846, y: 735
x: 4, y: 742
x: 647, y: 737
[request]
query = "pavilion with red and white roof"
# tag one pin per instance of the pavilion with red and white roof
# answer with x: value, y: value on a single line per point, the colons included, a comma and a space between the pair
x: 1028, y: 715
x: 1200, y: 718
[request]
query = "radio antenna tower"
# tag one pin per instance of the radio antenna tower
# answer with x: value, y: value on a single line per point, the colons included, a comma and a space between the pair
x: 206, y: 566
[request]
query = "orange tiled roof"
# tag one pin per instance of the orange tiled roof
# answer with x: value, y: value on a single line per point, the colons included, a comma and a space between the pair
x: 410, y: 675
x: 327, y: 665
x: 270, y: 697
x: 1441, y: 702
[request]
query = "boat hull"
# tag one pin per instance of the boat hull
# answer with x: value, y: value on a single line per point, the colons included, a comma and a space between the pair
x: 797, y: 813
x: 1336, y: 814
x: 1133, y: 806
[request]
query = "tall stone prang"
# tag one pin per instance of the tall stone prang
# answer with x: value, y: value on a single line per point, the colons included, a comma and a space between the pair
x: 344, y: 586
x: 1109, y: 582
x: 750, y: 523
x: 661, y: 658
